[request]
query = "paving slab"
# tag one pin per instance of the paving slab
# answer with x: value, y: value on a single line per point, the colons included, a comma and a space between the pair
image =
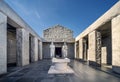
x: 38, y: 72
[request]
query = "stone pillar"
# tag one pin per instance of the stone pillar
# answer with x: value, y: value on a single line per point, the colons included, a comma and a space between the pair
x: 41, y: 50
x: 36, y: 48
x: 95, y: 48
x: 75, y: 45
x: 39, y: 55
x: 22, y: 37
x: 98, y: 48
x: 81, y: 48
x: 3, y: 43
x: 116, y: 44
x: 92, y: 48
x: 85, y: 49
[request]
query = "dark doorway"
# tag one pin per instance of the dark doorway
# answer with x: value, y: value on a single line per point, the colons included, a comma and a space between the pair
x: 11, y: 46
x: 30, y: 50
x: 58, y: 52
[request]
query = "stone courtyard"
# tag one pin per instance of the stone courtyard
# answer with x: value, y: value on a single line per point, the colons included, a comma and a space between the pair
x: 26, y: 57
x: 38, y: 72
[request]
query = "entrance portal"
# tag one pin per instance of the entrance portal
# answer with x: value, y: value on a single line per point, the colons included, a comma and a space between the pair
x: 58, y: 52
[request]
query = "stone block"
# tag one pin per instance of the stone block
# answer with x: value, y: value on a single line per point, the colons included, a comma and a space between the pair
x: 104, y: 55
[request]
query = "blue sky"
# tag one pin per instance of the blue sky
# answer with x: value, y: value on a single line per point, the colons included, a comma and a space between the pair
x: 76, y: 15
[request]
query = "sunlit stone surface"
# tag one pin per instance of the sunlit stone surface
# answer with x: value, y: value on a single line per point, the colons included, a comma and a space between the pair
x: 60, y: 66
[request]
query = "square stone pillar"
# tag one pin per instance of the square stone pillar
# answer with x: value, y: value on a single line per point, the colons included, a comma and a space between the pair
x: 40, y: 50
x: 75, y: 52
x: 92, y: 48
x: 36, y: 48
x: 3, y: 43
x: 22, y: 37
x: 81, y: 48
x: 84, y: 49
x: 116, y: 44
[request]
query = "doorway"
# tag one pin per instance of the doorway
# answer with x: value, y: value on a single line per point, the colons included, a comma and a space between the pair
x: 11, y: 46
x: 58, y: 52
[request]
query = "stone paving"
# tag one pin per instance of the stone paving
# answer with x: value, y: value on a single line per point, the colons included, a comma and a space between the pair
x: 38, y: 72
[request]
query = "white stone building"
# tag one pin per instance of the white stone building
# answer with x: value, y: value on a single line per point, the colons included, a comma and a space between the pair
x: 58, y: 35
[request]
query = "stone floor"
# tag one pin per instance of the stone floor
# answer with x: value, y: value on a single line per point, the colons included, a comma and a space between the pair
x: 38, y: 72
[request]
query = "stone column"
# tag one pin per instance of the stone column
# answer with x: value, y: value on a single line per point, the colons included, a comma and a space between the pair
x: 92, y: 48
x: 32, y: 49
x: 116, y: 44
x: 36, y: 48
x: 41, y: 50
x: 81, y: 48
x: 3, y: 43
x: 39, y: 55
x: 85, y: 49
x: 98, y: 48
x: 75, y: 45
x: 22, y: 37
x: 95, y: 48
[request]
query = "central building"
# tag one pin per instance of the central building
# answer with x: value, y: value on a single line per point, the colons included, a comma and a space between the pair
x: 58, y: 35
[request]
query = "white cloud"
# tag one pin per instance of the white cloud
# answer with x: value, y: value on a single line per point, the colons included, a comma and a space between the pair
x: 37, y: 14
x: 25, y: 10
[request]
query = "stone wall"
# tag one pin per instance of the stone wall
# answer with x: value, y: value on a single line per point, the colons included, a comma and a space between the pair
x: 71, y: 49
x: 58, y: 34
x: 46, y: 50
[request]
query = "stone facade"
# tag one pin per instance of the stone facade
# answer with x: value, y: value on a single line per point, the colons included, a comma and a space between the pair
x: 58, y: 33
